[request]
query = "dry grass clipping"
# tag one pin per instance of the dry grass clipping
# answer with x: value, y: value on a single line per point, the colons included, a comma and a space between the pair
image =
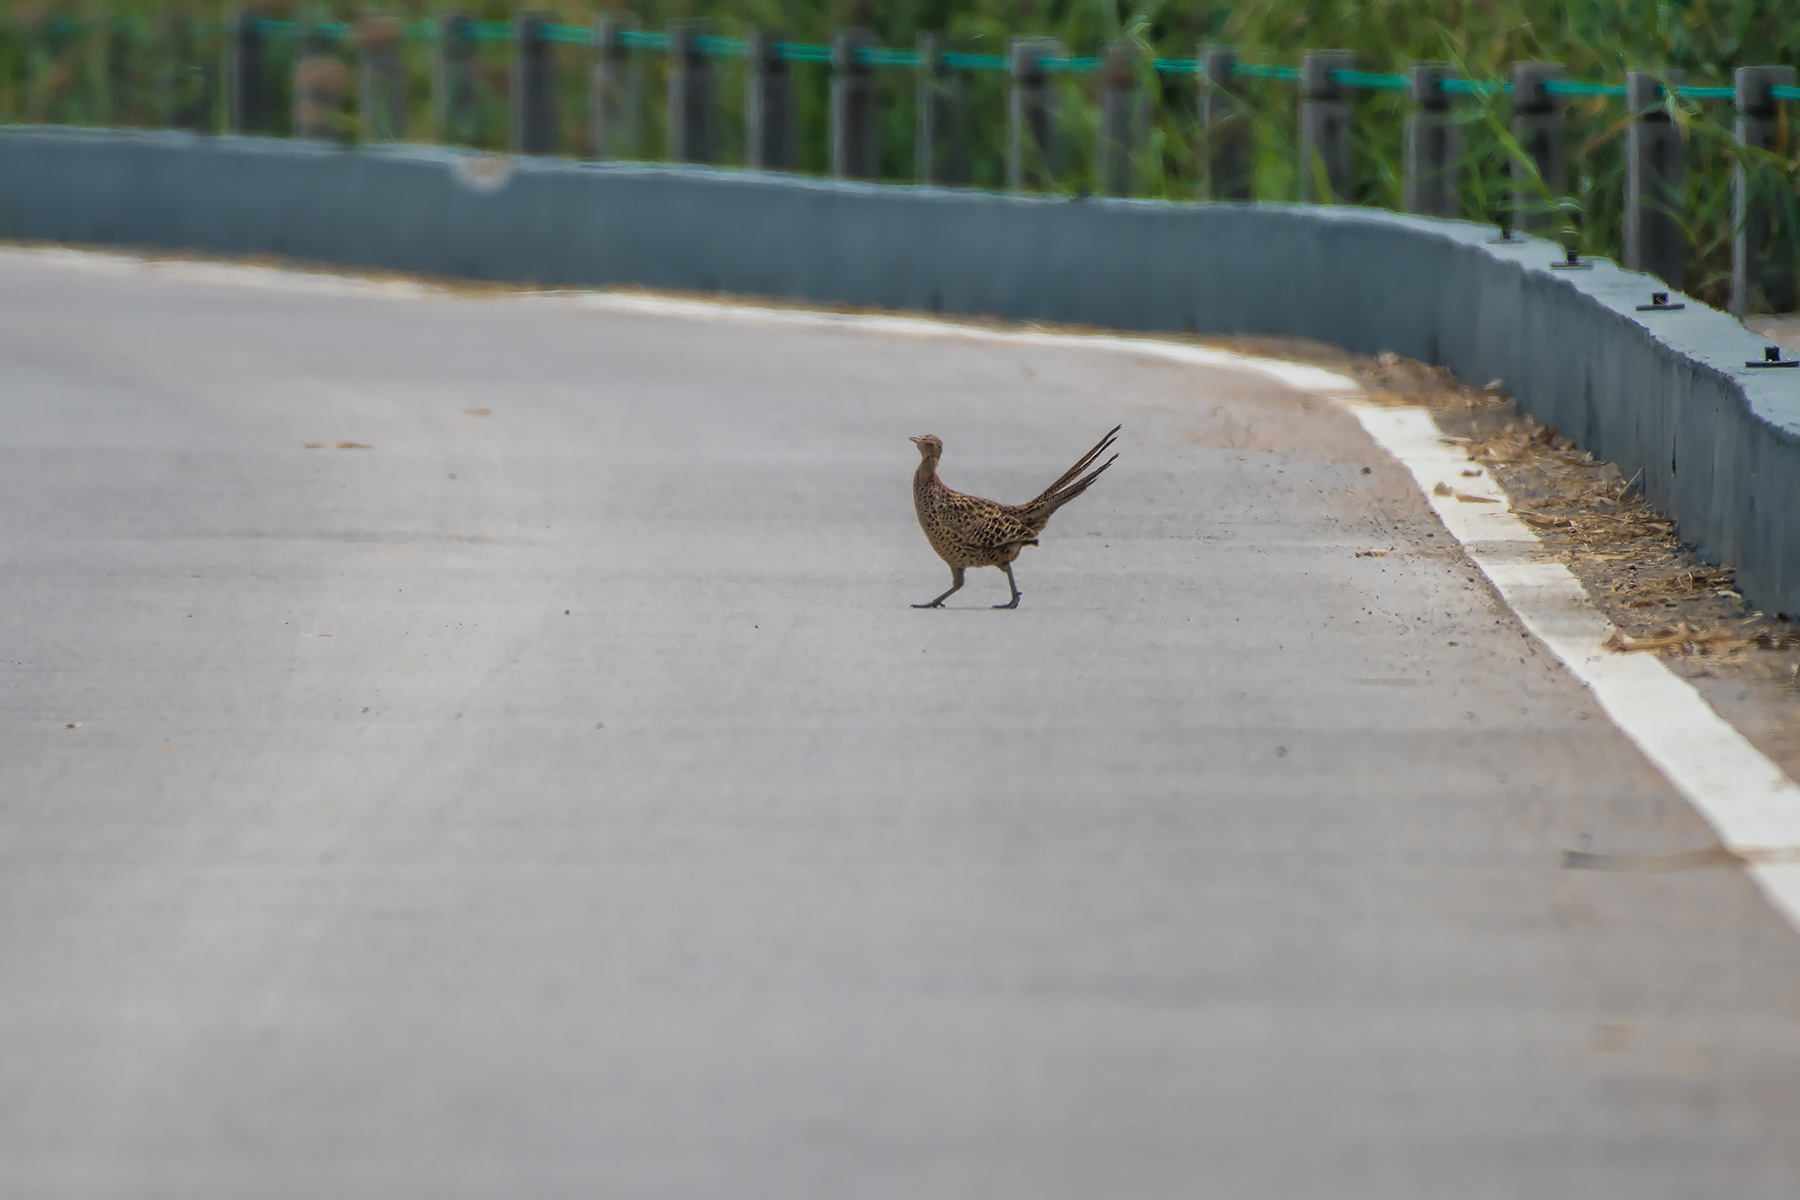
x: 1629, y: 556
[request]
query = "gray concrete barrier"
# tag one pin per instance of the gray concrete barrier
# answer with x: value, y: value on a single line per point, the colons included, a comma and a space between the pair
x: 1666, y: 394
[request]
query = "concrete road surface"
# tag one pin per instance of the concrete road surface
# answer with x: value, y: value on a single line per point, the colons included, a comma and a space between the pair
x: 558, y: 797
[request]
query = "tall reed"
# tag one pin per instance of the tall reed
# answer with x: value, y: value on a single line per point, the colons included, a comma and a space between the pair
x: 148, y: 62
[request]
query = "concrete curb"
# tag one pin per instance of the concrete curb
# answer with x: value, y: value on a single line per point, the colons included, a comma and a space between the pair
x: 1665, y: 393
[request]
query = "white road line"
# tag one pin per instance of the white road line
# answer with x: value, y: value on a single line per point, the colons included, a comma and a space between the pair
x: 1295, y: 375
x: 238, y: 274
x: 1751, y: 804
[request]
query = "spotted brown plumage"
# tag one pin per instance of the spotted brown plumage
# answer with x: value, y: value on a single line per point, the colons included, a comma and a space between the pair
x: 968, y: 531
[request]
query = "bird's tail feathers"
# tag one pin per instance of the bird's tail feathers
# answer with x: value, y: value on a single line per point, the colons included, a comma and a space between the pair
x: 1042, y: 508
x: 1050, y: 492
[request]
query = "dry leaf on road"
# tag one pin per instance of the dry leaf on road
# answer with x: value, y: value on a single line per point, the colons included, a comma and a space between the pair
x: 1444, y: 489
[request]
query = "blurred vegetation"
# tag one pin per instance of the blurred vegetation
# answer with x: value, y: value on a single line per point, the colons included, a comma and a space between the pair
x: 150, y: 63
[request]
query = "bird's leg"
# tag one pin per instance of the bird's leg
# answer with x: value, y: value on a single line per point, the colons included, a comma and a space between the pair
x: 956, y: 581
x: 1016, y: 593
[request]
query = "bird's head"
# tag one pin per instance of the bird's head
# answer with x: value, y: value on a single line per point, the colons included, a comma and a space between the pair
x: 929, y: 446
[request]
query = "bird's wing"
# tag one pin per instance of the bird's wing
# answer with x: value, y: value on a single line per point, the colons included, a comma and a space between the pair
x: 984, y: 525
x: 999, y: 528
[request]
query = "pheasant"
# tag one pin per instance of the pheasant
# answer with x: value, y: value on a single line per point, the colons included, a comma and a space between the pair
x: 968, y: 531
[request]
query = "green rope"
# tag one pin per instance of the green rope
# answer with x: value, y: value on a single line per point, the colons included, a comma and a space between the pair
x: 802, y: 52
x: 718, y: 47
x: 1573, y: 87
x: 1264, y: 71
x: 975, y: 62
x: 1375, y: 83
x: 638, y: 39
x: 1474, y: 87
x: 878, y: 56
x: 573, y: 35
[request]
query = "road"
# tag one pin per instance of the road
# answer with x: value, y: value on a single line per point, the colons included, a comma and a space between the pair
x: 566, y: 801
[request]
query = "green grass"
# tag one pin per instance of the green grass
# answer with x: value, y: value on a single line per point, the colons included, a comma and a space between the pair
x: 138, y: 74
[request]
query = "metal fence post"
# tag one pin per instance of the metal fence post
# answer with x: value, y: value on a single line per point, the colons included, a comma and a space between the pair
x: 1433, y: 146
x: 184, y: 81
x: 533, y: 86
x: 91, y: 57
x: 1031, y: 117
x: 166, y: 45
x: 115, y: 106
x: 1124, y: 122
x: 133, y: 89
x: 1655, y: 181
x: 1325, y: 127
x: 615, y: 110
x: 1225, y: 148
x: 941, y: 151
x: 39, y: 54
x: 855, y: 150
x: 380, y: 85
x: 1762, y: 211
x: 690, y: 94
x: 452, y: 79
x: 246, y: 73
x: 89, y: 67
x: 771, y: 124
x: 1537, y: 125
x: 319, y: 85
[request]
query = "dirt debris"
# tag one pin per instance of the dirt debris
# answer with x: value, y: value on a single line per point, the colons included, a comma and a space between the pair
x: 1444, y: 489
x: 1664, y: 599
x: 1653, y: 864
x: 1682, y: 638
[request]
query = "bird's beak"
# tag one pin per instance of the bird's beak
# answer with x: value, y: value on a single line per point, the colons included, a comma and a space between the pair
x: 913, y: 440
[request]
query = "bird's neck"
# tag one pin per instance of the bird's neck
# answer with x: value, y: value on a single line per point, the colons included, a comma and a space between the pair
x: 926, y: 475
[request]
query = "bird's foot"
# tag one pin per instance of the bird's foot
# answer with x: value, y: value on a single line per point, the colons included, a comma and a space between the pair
x: 930, y: 604
x: 1013, y: 603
